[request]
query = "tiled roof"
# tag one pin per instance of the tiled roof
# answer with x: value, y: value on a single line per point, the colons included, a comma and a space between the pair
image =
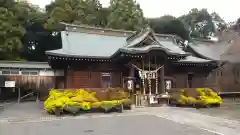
x: 166, y: 45
x: 137, y: 38
x: 144, y: 49
x: 24, y: 64
x: 78, y: 44
x: 193, y: 59
x: 211, y: 51
x: 232, y: 53
x: 170, y: 45
x: 104, y: 44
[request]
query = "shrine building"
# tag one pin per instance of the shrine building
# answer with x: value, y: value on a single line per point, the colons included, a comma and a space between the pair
x: 101, y: 58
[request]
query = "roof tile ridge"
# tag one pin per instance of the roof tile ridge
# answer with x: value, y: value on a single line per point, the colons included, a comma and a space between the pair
x: 97, y: 28
x: 138, y: 33
x: 203, y: 40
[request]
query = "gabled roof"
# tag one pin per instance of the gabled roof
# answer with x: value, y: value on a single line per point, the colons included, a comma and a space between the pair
x: 79, y: 42
x: 91, y: 42
x: 166, y: 45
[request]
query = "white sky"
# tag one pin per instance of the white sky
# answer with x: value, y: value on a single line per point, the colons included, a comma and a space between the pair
x: 227, y: 9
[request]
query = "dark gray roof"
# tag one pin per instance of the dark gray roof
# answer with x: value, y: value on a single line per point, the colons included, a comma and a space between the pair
x: 143, y: 49
x: 193, y: 59
x: 138, y: 38
x: 77, y: 44
x: 167, y: 46
x: 88, y: 45
x: 146, y: 49
x: 170, y: 45
x: 24, y: 64
x: 104, y: 44
x: 210, y: 50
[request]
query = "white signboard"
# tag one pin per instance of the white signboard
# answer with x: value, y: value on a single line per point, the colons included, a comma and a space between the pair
x: 130, y: 84
x: 10, y: 84
x: 168, y: 84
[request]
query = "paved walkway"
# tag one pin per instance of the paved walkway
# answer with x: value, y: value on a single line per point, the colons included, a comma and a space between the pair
x: 209, y: 123
x: 167, y: 120
x: 22, y: 110
x: 108, y: 124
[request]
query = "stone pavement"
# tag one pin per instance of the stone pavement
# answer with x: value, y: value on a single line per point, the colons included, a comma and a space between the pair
x: 229, y: 110
x: 209, y: 123
x: 22, y: 110
x: 115, y: 125
x: 160, y: 120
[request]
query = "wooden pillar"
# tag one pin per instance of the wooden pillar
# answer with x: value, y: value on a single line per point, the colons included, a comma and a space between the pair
x: 149, y: 79
x: 65, y: 78
x: 162, y: 79
x: 69, y: 78
x: 143, y: 78
x: 19, y: 95
x: 156, y: 91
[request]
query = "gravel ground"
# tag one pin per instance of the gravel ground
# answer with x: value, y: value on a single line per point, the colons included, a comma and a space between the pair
x: 30, y: 119
x: 22, y: 110
x: 116, y: 125
x: 229, y: 110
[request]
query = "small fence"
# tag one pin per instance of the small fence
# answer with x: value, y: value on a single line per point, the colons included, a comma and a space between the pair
x: 141, y: 100
x: 146, y: 100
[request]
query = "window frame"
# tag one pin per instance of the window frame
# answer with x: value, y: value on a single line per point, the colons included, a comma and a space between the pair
x: 106, y: 82
x: 10, y: 72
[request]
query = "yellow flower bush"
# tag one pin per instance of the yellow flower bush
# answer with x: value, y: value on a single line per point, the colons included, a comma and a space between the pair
x: 85, y: 106
x: 72, y: 100
x: 205, y: 97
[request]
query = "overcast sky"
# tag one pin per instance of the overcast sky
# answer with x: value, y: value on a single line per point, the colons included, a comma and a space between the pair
x: 228, y: 9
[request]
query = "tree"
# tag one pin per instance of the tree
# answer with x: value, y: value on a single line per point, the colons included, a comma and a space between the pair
x: 37, y: 39
x: 15, y: 20
x: 169, y: 25
x: 201, y: 24
x: 11, y: 31
x: 220, y: 23
x: 73, y: 11
x: 125, y: 14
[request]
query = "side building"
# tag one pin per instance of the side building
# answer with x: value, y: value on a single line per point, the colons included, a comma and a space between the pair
x: 20, y: 79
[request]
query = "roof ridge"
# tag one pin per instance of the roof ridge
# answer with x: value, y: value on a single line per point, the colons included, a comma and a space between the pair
x: 134, y: 33
x: 23, y: 62
x: 97, y: 28
x: 138, y: 33
x: 168, y: 35
x: 203, y: 40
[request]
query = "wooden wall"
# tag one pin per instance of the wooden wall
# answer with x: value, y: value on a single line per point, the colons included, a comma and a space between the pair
x: 182, y: 79
x: 90, y: 75
x: 92, y: 79
x: 226, y: 78
x: 31, y: 82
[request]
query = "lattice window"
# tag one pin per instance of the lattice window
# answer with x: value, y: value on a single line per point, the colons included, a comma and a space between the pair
x: 30, y: 73
x: 106, y: 80
x: 10, y: 72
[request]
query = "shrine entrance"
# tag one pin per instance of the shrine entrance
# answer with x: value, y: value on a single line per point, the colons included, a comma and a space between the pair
x: 151, y: 73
